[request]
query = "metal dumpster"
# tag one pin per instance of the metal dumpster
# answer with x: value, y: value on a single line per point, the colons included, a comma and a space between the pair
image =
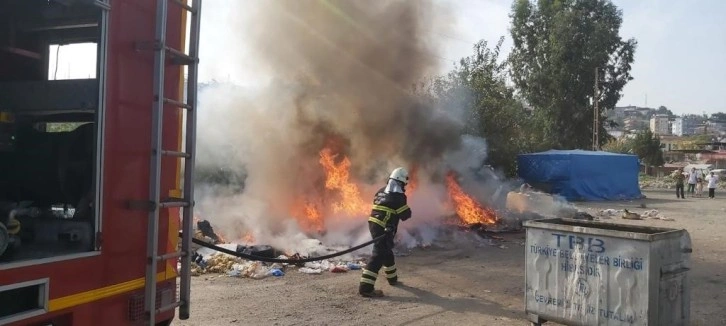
x: 593, y: 273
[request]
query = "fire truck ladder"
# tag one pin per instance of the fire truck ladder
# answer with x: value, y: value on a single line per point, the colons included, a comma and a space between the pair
x: 178, y: 58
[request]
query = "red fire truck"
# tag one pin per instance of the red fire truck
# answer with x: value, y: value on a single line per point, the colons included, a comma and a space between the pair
x: 96, y: 173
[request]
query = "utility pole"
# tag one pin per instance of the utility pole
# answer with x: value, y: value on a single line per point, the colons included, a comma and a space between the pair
x: 596, y: 117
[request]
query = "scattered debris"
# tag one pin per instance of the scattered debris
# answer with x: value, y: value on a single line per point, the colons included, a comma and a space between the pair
x: 583, y: 216
x: 308, y: 270
x: 651, y: 213
x: 258, y: 250
x: 339, y: 269
x: 609, y: 212
x: 224, y: 264
x: 630, y: 216
x: 276, y: 272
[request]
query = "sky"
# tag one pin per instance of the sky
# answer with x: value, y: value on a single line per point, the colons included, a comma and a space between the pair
x: 680, y: 61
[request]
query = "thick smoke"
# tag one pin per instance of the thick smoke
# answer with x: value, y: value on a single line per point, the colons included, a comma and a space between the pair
x: 351, y: 66
x: 343, y: 73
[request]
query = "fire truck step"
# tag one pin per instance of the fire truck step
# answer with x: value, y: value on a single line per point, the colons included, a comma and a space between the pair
x: 168, y: 307
x: 171, y: 255
x: 177, y: 103
x: 174, y: 202
x: 179, y: 58
x: 175, y: 153
x: 185, y: 6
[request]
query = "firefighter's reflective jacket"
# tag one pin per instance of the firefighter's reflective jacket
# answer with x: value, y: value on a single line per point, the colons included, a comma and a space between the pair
x: 389, y: 209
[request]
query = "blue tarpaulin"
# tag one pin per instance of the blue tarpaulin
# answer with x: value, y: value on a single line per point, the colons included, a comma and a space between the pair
x: 582, y: 175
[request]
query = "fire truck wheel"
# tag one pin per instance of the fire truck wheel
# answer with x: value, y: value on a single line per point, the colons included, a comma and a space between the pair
x: 4, y: 239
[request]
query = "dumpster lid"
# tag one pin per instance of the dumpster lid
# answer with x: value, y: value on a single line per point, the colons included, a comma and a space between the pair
x: 626, y: 231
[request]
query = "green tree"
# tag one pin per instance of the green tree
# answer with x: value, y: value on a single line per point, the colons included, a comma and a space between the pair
x: 558, y: 45
x: 664, y: 110
x: 478, y: 83
x: 623, y: 146
x: 647, y: 146
x: 718, y: 116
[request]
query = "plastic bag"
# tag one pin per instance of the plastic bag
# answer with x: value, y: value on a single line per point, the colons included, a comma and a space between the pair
x: 338, y: 269
x: 276, y: 272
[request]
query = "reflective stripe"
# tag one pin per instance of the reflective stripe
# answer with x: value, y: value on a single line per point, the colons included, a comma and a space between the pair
x: 100, y: 293
x: 388, y: 212
x: 369, y: 281
x: 402, y: 209
x: 392, y: 275
x: 377, y: 221
x: 389, y: 268
x: 383, y: 208
x: 369, y: 273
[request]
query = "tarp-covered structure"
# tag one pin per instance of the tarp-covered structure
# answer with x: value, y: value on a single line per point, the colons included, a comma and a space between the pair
x: 579, y: 175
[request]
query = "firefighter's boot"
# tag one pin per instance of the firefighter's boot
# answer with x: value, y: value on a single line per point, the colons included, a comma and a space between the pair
x: 367, y: 283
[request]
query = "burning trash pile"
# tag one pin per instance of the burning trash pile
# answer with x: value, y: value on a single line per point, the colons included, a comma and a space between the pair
x: 311, y: 148
x: 209, y: 261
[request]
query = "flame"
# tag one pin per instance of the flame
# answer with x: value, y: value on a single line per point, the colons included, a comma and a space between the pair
x: 314, y: 217
x: 467, y: 208
x: 337, y: 177
x: 309, y: 216
x: 248, y: 238
x: 412, y: 180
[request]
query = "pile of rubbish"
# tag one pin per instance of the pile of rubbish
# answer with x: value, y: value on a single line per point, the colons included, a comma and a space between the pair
x: 210, y: 261
x: 652, y: 214
x: 221, y: 263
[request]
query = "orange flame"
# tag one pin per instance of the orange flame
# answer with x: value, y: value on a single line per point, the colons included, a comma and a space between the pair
x: 412, y: 180
x: 309, y: 217
x: 337, y: 177
x: 467, y: 208
x: 248, y: 238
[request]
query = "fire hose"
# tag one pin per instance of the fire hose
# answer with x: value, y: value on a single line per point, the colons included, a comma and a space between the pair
x: 285, y: 261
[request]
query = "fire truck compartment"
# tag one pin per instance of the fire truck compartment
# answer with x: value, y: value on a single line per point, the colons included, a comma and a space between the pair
x: 48, y: 129
x: 23, y: 300
x: 50, y: 96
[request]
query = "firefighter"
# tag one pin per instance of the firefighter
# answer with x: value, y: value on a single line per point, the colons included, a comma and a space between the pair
x: 389, y: 207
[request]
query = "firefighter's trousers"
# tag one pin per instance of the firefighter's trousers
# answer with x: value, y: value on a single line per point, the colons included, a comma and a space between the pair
x: 382, y: 257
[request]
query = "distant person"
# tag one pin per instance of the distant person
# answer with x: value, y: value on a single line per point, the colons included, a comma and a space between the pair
x: 680, y: 179
x: 692, y: 179
x: 712, y: 186
x: 699, y: 186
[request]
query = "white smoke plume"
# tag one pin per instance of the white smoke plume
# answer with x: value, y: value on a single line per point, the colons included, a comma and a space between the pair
x: 342, y: 74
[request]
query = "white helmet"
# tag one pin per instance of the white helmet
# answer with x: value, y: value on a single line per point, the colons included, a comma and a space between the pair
x: 400, y: 174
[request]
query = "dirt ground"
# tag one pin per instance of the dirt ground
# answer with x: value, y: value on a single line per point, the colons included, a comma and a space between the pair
x: 455, y: 284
